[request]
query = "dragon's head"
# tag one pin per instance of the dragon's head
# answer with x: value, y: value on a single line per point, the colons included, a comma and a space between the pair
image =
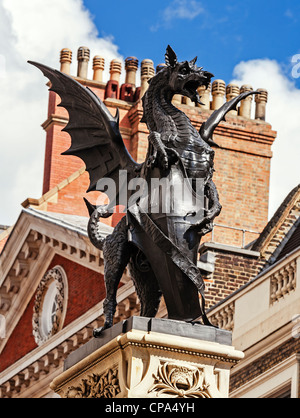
x: 185, y: 77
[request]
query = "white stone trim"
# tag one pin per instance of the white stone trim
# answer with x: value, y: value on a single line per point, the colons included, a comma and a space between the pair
x: 279, y: 376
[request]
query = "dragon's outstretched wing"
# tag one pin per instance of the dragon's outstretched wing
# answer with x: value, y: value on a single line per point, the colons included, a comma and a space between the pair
x: 95, y: 135
x: 208, y: 127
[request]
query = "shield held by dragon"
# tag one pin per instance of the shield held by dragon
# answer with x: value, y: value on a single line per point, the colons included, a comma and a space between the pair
x: 160, y: 247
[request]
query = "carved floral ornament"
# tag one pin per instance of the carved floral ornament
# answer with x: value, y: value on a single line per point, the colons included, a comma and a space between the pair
x: 180, y: 382
x: 50, y: 305
x: 172, y: 381
x: 97, y: 386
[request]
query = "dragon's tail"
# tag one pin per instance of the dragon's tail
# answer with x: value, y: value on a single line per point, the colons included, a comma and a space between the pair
x: 208, y: 127
x: 93, y: 229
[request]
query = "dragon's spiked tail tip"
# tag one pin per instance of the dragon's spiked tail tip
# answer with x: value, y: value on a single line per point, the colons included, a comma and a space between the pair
x: 91, y: 208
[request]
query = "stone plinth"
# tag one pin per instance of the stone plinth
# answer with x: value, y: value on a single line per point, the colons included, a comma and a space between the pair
x: 151, y: 358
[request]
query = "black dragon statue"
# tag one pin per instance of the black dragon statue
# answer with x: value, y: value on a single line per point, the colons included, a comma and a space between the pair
x: 159, y: 236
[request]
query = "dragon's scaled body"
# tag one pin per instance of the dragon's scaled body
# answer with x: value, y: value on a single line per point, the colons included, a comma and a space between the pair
x: 160, y: 249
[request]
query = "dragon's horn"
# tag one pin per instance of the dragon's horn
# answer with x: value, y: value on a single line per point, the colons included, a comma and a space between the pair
x: 193, y: 62
x: 171, y: 57
x: 208, y: 127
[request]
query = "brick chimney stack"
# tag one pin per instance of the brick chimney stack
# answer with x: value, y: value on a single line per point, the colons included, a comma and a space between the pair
x: 98, y: 68
x: 261, y: 101
x: 232, y: 91
x: 147, y: 72
x: 245, y: 107
x: 65, y: 60
x: 115, y: 70
x: 218, y: 93
x: 128, y: 89
x: 131, y: 66
x: 112, y: 87
x: 204, y: 93
x: 83, y: 57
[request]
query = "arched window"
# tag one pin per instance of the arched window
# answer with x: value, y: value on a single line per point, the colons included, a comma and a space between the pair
x: 50, y: 305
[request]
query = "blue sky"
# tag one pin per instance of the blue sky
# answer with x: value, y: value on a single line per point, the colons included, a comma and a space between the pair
x: 221, y: 33
x: 248, y: 42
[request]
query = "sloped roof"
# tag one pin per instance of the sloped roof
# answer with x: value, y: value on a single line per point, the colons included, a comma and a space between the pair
x: 292, y: 242
x: 278, y: 230
x: 76, y: 222
x: 72, y: 222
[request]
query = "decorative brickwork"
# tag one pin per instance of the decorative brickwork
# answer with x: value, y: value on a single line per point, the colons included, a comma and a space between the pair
x: 232, y: 271
x: 264, y: 363
x: 86, y: 288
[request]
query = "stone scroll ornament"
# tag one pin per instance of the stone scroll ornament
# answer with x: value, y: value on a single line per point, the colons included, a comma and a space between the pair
x: 159, y: 236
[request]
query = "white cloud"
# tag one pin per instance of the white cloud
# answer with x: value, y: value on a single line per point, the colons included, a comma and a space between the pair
x: 35, y: 30
x: 179, y: 9
x: 290, y: 15
x: 183, y: 9
x: 283, y: 114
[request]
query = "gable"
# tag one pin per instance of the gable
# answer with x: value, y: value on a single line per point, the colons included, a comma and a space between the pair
x: 37, y: 241
x: 40, y: 241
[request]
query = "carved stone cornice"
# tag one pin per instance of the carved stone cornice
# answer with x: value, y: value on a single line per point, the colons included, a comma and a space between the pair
x: 158, y: 364
x: 54, y: 120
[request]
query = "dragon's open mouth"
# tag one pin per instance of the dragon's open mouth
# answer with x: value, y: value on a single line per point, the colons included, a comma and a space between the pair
x: 190, y: 89
x: 192, y: 86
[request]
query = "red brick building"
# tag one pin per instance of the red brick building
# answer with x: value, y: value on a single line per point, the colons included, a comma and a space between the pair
x: 51, y: 277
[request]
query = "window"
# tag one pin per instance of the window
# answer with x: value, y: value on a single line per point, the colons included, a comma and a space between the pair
x: 49, y: 308
x: 50, y: 305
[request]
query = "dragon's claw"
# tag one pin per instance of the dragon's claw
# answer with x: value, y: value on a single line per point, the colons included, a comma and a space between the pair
x: 98, y: 332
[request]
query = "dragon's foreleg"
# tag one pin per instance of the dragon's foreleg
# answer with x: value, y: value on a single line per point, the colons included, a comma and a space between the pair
x: 214, y: 206
x: 161, y: 154
x: 205, y: 226
x: 159, y: 150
